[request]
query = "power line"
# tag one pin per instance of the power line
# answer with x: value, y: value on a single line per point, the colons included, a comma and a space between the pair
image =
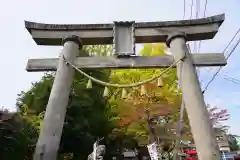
x: 232, y: 80
x: 227, y: 77
x: 205, y: 8
x: 234, y: 47
x: 225, y: 74
x: 191, y: 10
x: 231, y: 42
x: 184, y: 13
x: 191, y: 15
x: 184, y: 9
x: 204, y: 14
x: 197, y: 16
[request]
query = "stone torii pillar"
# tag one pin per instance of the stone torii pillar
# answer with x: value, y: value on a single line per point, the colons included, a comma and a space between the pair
x: 51, y: 131
x: 124, y: 35
x: 204, y: 137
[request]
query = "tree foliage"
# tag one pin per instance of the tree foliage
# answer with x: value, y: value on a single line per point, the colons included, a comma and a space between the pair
x: 17, y: 137
x: 158, y: 102
x: 88, y: 115
x: 122, y: 120
x: 233, y: 143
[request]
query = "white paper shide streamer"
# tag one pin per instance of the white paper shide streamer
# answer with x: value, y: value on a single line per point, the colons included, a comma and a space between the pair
x: 152, y: 149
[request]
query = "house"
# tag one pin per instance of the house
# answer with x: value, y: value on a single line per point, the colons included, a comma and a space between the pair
x: 222, y: 140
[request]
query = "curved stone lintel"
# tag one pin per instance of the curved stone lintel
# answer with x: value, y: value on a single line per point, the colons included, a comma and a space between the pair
x: 208, y: 20
x: 146, y: 32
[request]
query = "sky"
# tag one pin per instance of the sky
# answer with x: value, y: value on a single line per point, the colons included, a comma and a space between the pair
x: 17, y: 45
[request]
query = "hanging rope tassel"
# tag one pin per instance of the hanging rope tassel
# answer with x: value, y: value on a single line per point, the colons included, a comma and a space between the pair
x: 160, y: 82
x: 89, y: 84
x: 106, y: 92
x: 143, y: 90
x: 124, y: 93
x: 121, y: 85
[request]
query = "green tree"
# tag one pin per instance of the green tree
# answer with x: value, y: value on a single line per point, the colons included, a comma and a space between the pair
x: 233, y: 143
x: 88, y: 115
x: 163, y: 101
x: 17, y: 137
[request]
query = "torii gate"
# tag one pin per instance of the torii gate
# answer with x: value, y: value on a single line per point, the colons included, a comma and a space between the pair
x: 124, y: 35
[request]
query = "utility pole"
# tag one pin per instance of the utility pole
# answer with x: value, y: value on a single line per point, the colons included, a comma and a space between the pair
x: 204, y: 138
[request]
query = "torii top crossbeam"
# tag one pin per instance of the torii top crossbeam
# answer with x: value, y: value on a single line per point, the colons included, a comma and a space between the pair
x: 145, y: 32
x: 93, y: 34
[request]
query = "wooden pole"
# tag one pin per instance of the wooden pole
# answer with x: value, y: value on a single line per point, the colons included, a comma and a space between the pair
x: 50, y: 135
x: 201, y: 127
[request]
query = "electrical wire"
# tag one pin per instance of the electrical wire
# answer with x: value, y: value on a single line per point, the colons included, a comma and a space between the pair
x: 232, y: 80
x: 233, y: 49
x: 227, y: 77
x: 197, y: 47
x: 204, y: 14
x: 184, y: 9
x: 191, y: 10
x: 197, y: 13
x: 205, y: 8
x: 184, y: 14
x: 196, y: 16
